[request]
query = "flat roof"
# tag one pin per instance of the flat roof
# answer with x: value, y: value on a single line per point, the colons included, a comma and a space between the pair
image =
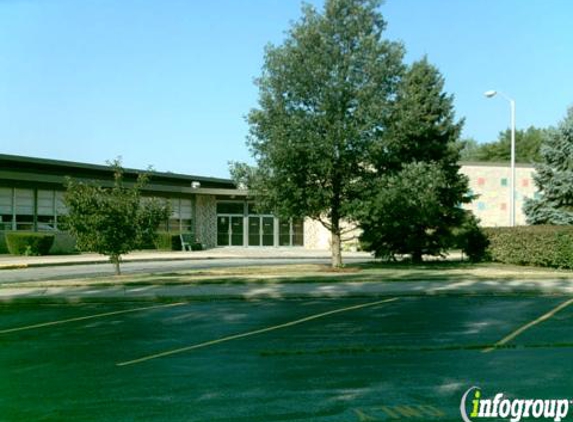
x: 34, y: 168
x: 493, y: 164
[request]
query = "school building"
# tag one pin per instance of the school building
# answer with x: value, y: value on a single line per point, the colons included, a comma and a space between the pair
x: 214, y: 210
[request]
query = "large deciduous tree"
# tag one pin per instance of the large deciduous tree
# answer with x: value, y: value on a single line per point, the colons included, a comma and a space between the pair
x: 323, y: 101
x: 554, y: 178
x: 114, y: 220
x: 416, y: 190
x: 527, y: 147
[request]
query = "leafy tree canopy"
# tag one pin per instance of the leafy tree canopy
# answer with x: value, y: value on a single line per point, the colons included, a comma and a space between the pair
x: 527, y: 147
x: 324, y: 96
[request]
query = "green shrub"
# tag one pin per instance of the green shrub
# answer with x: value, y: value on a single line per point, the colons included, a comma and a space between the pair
x: 471, y: 239
x: 164, y: 241
x: 3, y: 246
x: 64, y: 244
x: 542, y: 246
x: 171, y: 241
x: 29, y: 243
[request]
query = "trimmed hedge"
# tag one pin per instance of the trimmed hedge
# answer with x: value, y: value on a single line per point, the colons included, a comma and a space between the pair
x: 542, y: 246
x: 166, y: 241
x: 29, y: 243
x: 3, y: 246
x: 64, y: 244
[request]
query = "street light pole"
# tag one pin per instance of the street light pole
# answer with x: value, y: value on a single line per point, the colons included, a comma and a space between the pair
x: 512, y: 201
x: 490, y: 94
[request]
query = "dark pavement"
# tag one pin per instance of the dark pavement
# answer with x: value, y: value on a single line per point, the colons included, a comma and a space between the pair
x: 408, y: 359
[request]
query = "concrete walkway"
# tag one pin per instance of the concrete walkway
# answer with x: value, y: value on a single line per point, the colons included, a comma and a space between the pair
x: 11, y: 261
x: 75, y: 294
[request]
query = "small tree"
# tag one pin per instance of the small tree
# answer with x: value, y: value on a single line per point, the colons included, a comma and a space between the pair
x: 553, y: 178
x: 324, y: 95
x: 112, y: 221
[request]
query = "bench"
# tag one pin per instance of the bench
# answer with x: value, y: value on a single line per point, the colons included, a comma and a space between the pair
x: 186, y: 241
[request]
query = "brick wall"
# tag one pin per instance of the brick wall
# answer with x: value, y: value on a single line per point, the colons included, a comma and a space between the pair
x: 492, y: 183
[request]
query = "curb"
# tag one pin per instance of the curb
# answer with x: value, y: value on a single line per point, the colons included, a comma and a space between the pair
x: 13, y: 266
x: 161, y: 259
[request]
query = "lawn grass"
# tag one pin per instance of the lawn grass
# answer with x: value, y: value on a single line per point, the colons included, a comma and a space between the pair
x: 432, y: 271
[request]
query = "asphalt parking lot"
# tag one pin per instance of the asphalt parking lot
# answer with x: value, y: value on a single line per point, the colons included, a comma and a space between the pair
x: 377, y: 359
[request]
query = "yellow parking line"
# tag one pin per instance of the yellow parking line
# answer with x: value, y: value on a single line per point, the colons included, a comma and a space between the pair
x: 255, y: 332
x: 527, y: 326
x: 65, y: 321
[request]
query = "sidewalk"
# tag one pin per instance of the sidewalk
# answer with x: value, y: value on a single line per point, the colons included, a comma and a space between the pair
x: 122, y: 293
x: 12, y: 262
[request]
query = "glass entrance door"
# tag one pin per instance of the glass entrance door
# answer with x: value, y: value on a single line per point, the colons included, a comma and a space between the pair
x: 223, y: 229
x: 254, y: 231
x: 237, y: 231
x: 261, y: 230
x: 268, y: 232
x: 230, y: 230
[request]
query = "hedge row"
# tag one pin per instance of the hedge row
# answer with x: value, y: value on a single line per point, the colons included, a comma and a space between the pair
x: 29, y: 243
x: 63, y: 244
x: 542, y: 246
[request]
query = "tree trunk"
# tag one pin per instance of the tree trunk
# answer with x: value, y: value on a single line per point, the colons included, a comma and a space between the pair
x: 417, y: 257
x: 336, y: 249
x: 115, y: 261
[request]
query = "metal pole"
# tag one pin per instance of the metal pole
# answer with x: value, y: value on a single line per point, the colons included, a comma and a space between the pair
x: 512, y: 187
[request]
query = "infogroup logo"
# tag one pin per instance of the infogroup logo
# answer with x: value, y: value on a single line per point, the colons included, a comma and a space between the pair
x: 513, y: 409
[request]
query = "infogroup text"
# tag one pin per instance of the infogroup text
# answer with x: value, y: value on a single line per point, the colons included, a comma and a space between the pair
x: 474, y: 407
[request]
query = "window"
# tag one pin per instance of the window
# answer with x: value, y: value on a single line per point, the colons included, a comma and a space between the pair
x: 6, y: 208
x: 230, y: 208
x: 24, y: 209
x: 181, y: 219
x: 504, y: 181
x: 46, y: 202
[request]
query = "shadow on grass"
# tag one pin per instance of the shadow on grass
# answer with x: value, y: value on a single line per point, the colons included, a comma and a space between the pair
x: 444, y: 271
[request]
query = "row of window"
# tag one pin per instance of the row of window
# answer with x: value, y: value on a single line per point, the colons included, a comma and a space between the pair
x: 42, y: 210
x: 28, y: 209
x: 482, y: 206
x: 504, y: 181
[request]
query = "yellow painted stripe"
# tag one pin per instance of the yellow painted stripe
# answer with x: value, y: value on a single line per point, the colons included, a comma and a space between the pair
x: 527, y: 326
x: 255, y: 332
x: 83, y: 318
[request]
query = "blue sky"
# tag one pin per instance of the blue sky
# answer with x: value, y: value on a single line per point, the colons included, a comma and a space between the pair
x: 168, y: 82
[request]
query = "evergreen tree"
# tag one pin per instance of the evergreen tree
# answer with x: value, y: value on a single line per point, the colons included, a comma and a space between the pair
x: 417, y: 190
x: 554, y: 178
